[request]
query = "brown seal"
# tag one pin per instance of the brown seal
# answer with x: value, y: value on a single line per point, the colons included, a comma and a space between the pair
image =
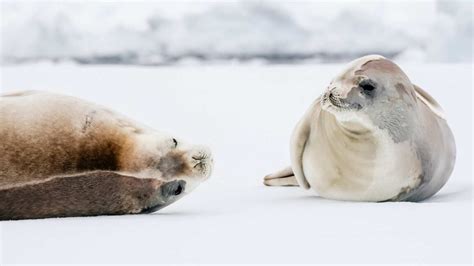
x: 62, y: 156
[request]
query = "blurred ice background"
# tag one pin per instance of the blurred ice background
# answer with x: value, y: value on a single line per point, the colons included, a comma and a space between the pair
x: 164, y: 33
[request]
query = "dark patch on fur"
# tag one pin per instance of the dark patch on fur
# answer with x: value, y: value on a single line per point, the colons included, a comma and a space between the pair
x: 137, y: 131
x: 173, y: 164
x: 405, y: 94
x: 96, y: 193
x: 401, y: 90
x: 409, y: 193
x: 99, y: 155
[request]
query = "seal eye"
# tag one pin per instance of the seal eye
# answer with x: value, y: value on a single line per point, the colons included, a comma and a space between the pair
x: 367, y: 86
x: 175, y: 142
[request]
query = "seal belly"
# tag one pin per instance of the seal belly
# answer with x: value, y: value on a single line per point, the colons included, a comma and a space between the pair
x: 358, y: 165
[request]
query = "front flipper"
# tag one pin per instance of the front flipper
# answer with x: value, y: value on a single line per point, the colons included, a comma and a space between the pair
x: 284, y: 178
x: 298, y: 142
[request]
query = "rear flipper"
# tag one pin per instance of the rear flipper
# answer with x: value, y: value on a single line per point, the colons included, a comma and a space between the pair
x: 284, y: 178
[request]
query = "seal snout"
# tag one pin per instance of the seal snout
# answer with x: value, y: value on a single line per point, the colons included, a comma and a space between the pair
x: 167, y: 194
x: 341, y: 103
x: 173, y: 188
x: 202, y: 161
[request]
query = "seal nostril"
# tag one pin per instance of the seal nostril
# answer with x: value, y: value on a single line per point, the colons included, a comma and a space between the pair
x: 173, y: 188
x: 178, y: 190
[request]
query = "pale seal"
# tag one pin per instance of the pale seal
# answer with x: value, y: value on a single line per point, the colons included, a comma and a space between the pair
x: 372, y: 136
x: 62, y: 156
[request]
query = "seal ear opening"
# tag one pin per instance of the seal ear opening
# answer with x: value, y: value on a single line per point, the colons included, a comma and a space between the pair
x: 298, y: 142
x: 429, y: 101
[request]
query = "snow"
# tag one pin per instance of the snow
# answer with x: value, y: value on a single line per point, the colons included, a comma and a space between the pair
x: 246, y: 115
x: 156, y: 33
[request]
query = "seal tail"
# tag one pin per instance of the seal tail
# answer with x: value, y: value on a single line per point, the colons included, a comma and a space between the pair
x: 282, y: 178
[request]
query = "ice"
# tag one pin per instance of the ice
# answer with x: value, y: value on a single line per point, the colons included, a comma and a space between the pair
x: 246, y: 115
x: 151, y: 33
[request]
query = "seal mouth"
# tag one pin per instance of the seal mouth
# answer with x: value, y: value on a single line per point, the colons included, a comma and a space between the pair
x: 202, y: 162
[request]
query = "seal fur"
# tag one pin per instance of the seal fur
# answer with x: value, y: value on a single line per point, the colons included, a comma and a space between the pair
x: 63, y: 156
x: 372, y: 136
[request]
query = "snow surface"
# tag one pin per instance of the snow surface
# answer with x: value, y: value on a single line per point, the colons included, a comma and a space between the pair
x: 246, y: 115
x: 280, y: 31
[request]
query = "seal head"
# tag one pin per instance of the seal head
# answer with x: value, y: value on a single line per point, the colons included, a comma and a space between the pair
x: 373, y: 91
